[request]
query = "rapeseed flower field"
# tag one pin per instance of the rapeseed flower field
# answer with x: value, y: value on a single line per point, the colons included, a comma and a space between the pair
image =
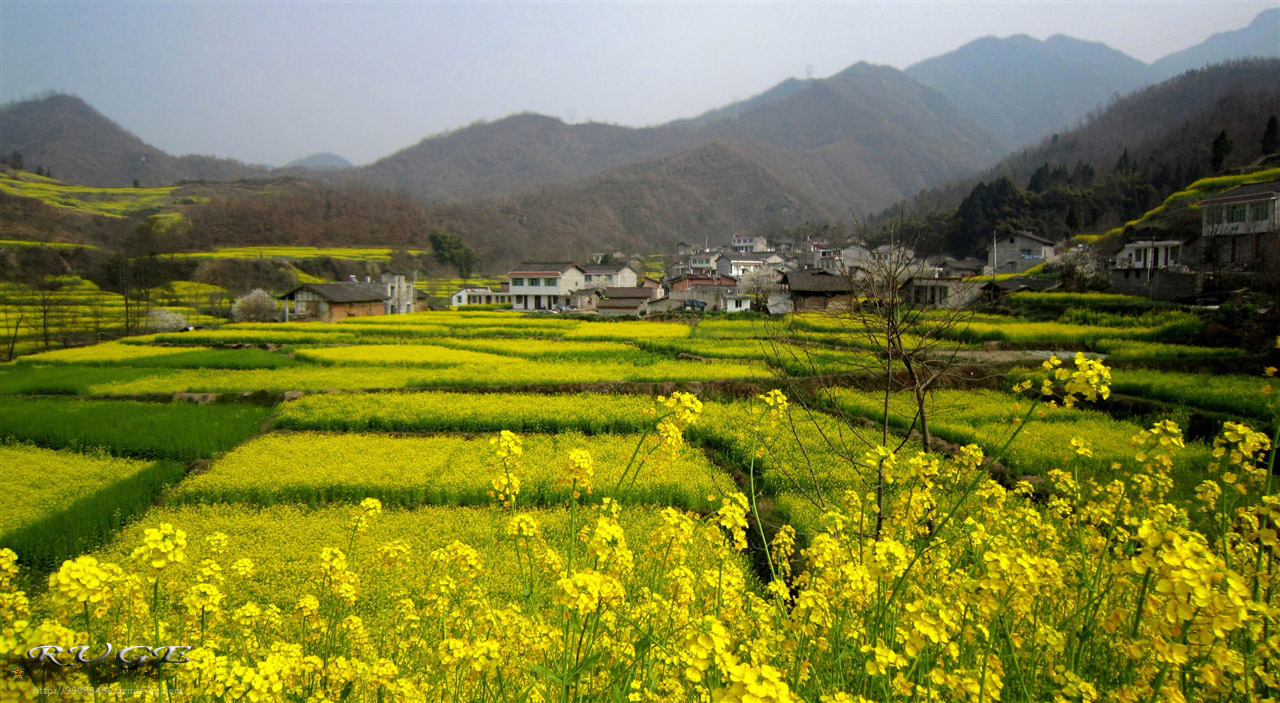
x: 482, y: 506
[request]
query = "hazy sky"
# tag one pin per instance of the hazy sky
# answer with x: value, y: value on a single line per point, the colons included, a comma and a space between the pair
x: 267, y: 82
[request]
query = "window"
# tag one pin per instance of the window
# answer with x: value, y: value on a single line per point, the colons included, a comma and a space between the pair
x: 535, y: 282
x: 1237, y: 213
x: 548, y: 281
x: 517, y: 281
x: 1259, y: 211
x: 1214, y: 215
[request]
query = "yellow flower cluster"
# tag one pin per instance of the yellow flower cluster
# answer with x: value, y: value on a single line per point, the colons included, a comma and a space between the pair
x: 929, y: 581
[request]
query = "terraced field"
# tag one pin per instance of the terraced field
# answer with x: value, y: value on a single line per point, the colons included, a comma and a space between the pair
x: 550, y: 507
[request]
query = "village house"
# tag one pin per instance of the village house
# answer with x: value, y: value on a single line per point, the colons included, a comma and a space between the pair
x: 482, y: 296
x: 950, y: 267
x: 626, y: 301
x: 1241, y: 226
x: 736, y: 265
x: 703, y: 261
x: 1018, y: 252
x: 609, y: 275
x: 819, y: 290
x: 542, y: 285
x: 749, y: 244
x: 692, y: 280
x: 942, y: 292
x: 331, y: 302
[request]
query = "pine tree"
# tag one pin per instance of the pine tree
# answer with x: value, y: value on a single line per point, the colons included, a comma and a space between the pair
x: 1271, y: 137
x: 1124, y: 164
x: 1221, y: 148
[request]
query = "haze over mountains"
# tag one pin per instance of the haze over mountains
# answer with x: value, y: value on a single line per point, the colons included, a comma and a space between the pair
x: 857, y: 141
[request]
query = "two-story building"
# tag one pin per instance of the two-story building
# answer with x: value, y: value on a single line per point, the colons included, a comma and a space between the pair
x: 737, y: 265
x: 543, y: 285
x: 749, y: 244
x: 1018, y: 252
x: 610, y: 276
x: 1153, y: 268
x: 1240, y: 227
x: 701, y: 262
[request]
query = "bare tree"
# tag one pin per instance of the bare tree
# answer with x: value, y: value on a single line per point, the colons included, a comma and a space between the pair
x: 889, y: 306
x: 11, y: 320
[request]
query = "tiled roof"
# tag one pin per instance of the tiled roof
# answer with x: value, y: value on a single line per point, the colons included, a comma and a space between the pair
x: 1253, y: 191
x: 816, y: 282
x: 555, y: 267
x: 347, y: 292
x: 637, y: 292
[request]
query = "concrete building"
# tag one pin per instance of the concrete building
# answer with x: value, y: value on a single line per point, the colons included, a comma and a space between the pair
x: 481, y: 296
x: 942, y: 292
x: 1241, y: 226
x: 609, y: 276
x: 543, y: 285
x: 1019, y: 252
x: 736, y: 265
x: 749, y: 244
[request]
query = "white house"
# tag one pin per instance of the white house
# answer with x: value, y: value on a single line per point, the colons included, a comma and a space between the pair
x: 610, y: 276
x: 747, y: 244
x: 1149, y: 254
x: 481, y: 296
x: 736, y: 265
x: 542, y: 285
x: 733, y: 301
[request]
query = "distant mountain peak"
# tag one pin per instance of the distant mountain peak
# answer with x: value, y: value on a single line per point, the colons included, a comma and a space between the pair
x: 323, y: 159
x: 1257, y: 40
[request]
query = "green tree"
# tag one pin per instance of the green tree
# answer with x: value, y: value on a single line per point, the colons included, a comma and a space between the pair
x: 1271, y: 136
x: 450, y: 250
x: 1221, y: 148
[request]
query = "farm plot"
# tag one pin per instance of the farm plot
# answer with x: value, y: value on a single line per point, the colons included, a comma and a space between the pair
x: 176, y: 431
x: 447, y: 470
x: 56, y: 504
x: 134, y: 354
x: 809, y: 450
x: 1051, y: 440
x: 1239, y: 396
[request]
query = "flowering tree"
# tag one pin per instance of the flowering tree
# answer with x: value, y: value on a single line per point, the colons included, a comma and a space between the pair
x: 162, y: 320
x: 255, y: 306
